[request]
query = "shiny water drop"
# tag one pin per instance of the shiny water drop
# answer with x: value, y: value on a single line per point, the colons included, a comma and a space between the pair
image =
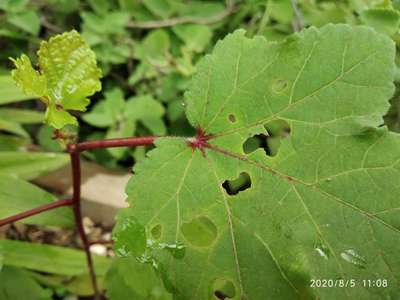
x: 177, y: 250
x: 323, y: 250
x: 351, y: 256
x: 129, y: 238
x: 321, y: 253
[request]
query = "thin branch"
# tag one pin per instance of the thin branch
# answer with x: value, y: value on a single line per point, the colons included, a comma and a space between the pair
x: 297, y: 23
x: 76, y: 205
x: 230, y: 9
x: 49, y: 25
x: 112, y: 143
x: 264, y: 20
x: 35, y: 211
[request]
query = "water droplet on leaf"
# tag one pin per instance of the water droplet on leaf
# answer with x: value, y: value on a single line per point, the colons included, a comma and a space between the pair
x: 351, y: 256
x: 177, y: 250
x: 129, y: 238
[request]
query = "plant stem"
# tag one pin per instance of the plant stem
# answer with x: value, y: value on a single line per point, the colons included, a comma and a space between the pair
x: 297, y: 23
x: 264, y: 19
x: 76, y: 205
x: 111, y: 143
x: 35, y: 211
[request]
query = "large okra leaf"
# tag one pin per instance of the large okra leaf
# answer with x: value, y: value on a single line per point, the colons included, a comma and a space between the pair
x: 324, y: 207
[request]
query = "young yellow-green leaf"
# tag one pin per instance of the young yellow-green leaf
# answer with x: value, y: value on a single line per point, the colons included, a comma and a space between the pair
x: 27, y: 78
x: 68, y: 75
x: 324, y: 207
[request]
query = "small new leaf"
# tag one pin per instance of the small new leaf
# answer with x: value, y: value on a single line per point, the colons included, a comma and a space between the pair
x: 67, y: 75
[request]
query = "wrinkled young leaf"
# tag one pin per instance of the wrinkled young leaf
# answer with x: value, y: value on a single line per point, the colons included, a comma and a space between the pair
x: 68, y: 75
x: 324, y: 207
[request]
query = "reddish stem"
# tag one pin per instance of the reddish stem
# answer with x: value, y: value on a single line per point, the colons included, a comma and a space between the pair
x: 122, y: 142
x: 76, y: 205
x: 35, y: 211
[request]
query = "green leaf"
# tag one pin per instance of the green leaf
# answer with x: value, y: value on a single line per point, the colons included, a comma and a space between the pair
x: 27, y: 78
x: 160, y: 8
x: 50, y: 259
x: 46, y: 140
x: 120, y: 130
x: 196, y: 37
x: 68, y: 75
x: 154, y: 48
x: 10, y: 92
x: 29, y: 165
x: 17, y: 195
x: 325, y: 206
x: 13, y: 5
x: 26, y: 20
x: 21, y: 116
x: 130, y: 279
x: 16, y: 284
x: 110, y: 23
x: 13, y: 127
x: 382, y: 20
x: 148, y: 111
x: 281, y: 10
x: 12, y: 143
x: 108, y: 111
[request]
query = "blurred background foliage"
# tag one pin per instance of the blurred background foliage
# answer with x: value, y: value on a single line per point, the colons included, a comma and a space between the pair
x: 148, y: 50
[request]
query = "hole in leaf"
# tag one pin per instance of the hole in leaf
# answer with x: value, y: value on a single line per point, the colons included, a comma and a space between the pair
x: 233, y: 187
x: 255, y: 142
x: 156, y: 231
x: 279, y: 86
x: 232, y: 118
x: 223, y: 289
x: 200, y: 232
x: 277, y: 130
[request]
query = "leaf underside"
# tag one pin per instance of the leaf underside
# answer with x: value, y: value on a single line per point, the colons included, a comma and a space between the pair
x: 325, y: 207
